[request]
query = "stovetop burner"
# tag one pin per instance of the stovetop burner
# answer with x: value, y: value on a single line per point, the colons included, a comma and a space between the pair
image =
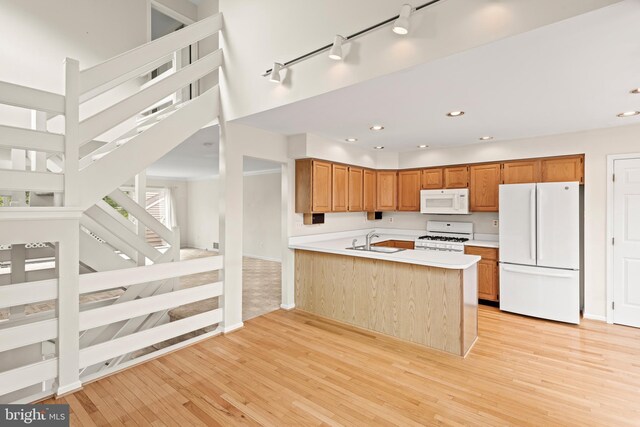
x: 444, y: 239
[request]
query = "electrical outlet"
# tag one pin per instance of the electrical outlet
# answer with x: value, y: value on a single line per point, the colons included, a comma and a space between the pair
x: 390, y: 219
x: 299, y: 225
x: 495, y: 223
x: 215, y: 245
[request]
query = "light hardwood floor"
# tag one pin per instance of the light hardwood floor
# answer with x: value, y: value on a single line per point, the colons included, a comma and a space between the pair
x: 292, y: 368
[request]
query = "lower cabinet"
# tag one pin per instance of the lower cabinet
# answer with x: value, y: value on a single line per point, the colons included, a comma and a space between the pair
x: 488, y: 273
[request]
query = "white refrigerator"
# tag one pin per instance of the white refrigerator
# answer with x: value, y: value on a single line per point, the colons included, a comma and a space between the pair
x: 540, y: 250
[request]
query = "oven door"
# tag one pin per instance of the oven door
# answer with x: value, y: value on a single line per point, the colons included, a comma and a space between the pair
x: 444, y: 201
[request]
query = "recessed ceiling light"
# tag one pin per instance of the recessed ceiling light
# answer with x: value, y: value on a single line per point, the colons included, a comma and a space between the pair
x: 636, y: 90
x: 379, y: 147
x: 629, y: 113
x: 351, y: 139
x: 423, y: 146
x: 455, y: 114
x: 376, y: 127
x: 486, y: 138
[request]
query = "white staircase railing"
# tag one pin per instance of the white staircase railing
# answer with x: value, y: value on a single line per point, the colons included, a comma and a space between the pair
x: 69, y: 173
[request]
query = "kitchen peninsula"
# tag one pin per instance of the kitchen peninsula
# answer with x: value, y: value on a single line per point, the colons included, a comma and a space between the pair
x: 425, y: 297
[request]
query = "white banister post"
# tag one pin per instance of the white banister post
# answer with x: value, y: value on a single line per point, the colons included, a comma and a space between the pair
x: 175, y: 247
x: 231, y: 205
x: 18, y: 162
x: 18, y: 275
x: 72, y: 133
x: 38, y: 158
x: 68, y: 309
x: 141, y: 199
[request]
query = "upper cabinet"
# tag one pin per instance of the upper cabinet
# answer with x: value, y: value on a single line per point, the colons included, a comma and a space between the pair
x: 563, y: 169
x: 432, y: 179
x: 456, y: 177
x: 323, y: 186
x: 369, y: 190
x: 387, y: 191
x: 409, y: 190
x: 356, y: 194
x: 313, y: 186
x: 340, y: 188
x: 521, y: 172
x: 484, y: 186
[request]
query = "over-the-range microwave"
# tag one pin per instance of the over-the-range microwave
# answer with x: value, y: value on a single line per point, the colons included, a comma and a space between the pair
x: 450, y: 202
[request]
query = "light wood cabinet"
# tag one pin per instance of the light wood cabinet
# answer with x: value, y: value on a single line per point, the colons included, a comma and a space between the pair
x: 488, y: 275
x: 563, y: 169
x: 356, y: 191
x: 456, y: 177
x: 369, y: 190
x: 339, y: 188
x: 387, y: 191
x: 432, y: 179
x: 521, y: 172
x: 323, y: 186
x: 409, y: 183
x: 313, y: 186
x: 483, y: 187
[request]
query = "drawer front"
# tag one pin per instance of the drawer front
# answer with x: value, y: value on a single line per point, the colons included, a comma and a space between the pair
x: 485, y: 253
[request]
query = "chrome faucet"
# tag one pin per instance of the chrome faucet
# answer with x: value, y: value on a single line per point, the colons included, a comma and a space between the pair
x: 367, y: 239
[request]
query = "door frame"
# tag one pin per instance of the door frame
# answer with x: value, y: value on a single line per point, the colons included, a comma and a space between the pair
x: 611, y: 159
x: 193, y: 50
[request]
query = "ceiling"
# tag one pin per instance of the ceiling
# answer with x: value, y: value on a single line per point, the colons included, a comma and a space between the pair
x: 569, y: 76
x: 194, y: 160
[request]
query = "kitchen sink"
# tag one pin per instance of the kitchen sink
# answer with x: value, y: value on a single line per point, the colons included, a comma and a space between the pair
x: 379, y: 249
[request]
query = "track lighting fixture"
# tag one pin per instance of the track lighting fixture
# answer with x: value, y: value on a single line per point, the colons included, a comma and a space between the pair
x: 336, y: 50
x: 275, y: 73
x: 401, y: 26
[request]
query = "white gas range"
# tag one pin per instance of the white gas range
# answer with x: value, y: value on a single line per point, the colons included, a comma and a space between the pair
x: 445, y: 236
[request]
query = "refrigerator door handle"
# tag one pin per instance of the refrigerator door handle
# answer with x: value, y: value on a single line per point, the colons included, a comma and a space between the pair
x: 532, y: 225
x: 514, y: 269
x: 539, y: 225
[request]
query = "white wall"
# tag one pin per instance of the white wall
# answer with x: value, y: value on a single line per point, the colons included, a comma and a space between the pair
x: 203, y: 213
x: 258, y: 32
x: 261, y: 224
x: 37, y: 35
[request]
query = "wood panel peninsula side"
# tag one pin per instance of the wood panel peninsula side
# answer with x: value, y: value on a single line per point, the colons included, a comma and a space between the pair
x: 415, y: 296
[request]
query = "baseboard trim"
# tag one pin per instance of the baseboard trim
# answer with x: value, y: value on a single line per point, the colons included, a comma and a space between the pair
x: 232, y: 328
x: 68, y: 389
x: 597, y: 317
x: 287, y: 306
x: 263, y: 258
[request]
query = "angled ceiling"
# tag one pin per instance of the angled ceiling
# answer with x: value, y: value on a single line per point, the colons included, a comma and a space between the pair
x: 569, y: 76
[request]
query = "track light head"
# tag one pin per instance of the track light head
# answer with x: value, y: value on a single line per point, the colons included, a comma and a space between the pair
x: 275, y: 73
x: 336, y: 50
x: 401, y: 26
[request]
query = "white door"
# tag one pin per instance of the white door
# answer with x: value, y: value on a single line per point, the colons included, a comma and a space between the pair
x: 626, y: 248
x: 518, y: 224
x: 558, y: 228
